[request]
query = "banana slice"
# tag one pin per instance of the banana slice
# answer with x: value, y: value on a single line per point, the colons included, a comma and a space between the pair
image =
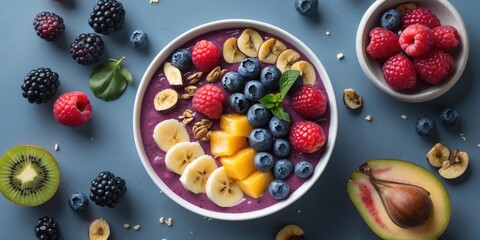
x: 290, y: 231
x: 230, y: 51
x: 168, y: 133
x: 221, y: 190
x: 270, y: 49
x: 438, y: 154
x: 352, y: 99
x: 455, y: 166
x: 195, y: 175
x: 165, y: 100
x: 173, y: 74
x: 249, y: 42
x: 286, y: 59
x: 181, y: 154
x: 307, y: 71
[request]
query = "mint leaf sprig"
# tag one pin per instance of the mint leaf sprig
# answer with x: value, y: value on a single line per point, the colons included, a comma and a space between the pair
x: 273, y: 101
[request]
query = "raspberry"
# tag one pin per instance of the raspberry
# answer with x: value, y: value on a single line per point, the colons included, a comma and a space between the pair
x: 399, y: 72
x: 205, y: 55
x: 434, y: 68
x: 309, y: 102
x: 416, y: 40
x: 307, y: 136
x: 72, y: 108
x: 383, y: 43
x: 420, y: 16
x: 208, y: 100
x: 445, y: 37
x: 48, y: 26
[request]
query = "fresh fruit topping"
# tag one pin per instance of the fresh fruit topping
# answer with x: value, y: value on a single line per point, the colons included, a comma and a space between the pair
x: 290, y: 232
x: 107, y: 16
x: 249, y: 68
x: 205, y: 55
x: 49, y: 26
x: 455, y: 166
x: 165, y: 100
x: 307, y: 137
x: 270, y: 77
x: 235, y: 124
x: 208, y: 100
x: 422, y: 16
x: 416, y: 40
x: 138, y: 39
x: 256, y: 183
x: 303, y: 169
x: 445, y: 37
x: 391, y: 19
x: 196, y: 173
x: 109, y: 80
x: 258, y: 115
x: 383, y: 43
x: 107, y: 189
x: 434, y: 68
x: 425, y: 126
x: 99, y: 229
x: 260, y: 139
x: 181, y: 154
x: 182, y: 59
x: 225, y: 144
x: 239, y: 103
x: 254, y: 90
x: 307, y: 71
x: 239, y: 165
x: 78, y: 201
x: 309, y: 102
x: 399, y: 72
x: 449, y: 117
x: 173, y: 74
x: 72, y: 108
x: 281, y: 147
x: 278, y: 127
x: 87, y: 48
x: 405, y: 7
x: 278, y: 189
x: 263, y: 161
x: 221, y: 190
x: 249, y: 42
x: 47, y: 228
x: 230, y: 51
x: 438, y: 154
x: 168, y: 133
x: 40, y: 85
x: 270, y: 49
x: 282, y: 169
x: 29, y: 175
x: 306, y: 7
x: 233, y: 82
x: 286, y: 59
x: 352, y: 99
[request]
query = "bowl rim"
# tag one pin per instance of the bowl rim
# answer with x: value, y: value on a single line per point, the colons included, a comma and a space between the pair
x: 217, y: 25
x: 431, y: 92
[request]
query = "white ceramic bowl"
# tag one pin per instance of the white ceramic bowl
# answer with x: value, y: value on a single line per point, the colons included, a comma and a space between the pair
x: 225, y: 24
x: 447, y: 14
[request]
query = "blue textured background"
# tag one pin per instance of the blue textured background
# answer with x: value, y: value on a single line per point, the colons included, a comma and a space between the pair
x: 106, y: 142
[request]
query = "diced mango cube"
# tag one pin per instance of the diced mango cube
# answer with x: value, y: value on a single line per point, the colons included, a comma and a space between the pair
x: 235, y: 124
x: 239, y: 165
x: 224, y: 144
x: 256, y: 183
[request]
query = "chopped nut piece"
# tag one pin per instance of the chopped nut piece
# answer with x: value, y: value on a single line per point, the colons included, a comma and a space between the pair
x: 153, y: 1
x: 327, y: 33
x: 368, y: 118
x: 55, y: 147
x: 403, y: 116
x: 194, y: 78
x: 201, y: 129
x: 161, y: 220
x: 136, y: 227
x: 126, y: 226
x: 462, y: 136
x: 340, y: 56
x: 216, y: 74
x: 169, y: 222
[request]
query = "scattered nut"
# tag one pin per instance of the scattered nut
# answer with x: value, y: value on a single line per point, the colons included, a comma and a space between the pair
x: 340, y: 56
x: 189, y: 92
x: 126, y: 226
x: 186, y: 117
x: 169, y: 222
x: 161, y: 220
x: 368, y: 118
x: 327, y: 33
x: 194, y: 78
x: 201, y: 129
x: 216, y: 74
x: 55, y: 147
x: 462, y: 136
x: 403, y: 116
x: 153, y: 1
x: 136, y: 227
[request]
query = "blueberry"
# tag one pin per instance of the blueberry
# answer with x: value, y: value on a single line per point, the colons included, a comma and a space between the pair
x: 281, y: 147
x: 263, y: 161
x: 270, y: 77
x: 138, y: 39
x: 258, y: 115
x: 239, y: 103
x: 260, y: 139
x: 78, y: 201
x: 425, y: 126
x: 449, y: 117
x: 306, y: 7
x: 182, y: 59
x: 233, y: 82
x: 278, y: 189
x: 254, y: 90
x: 278, y: 127
x: 391, y: 19
x: 303, y: 169
x: 249, y: 68
x: 282, y: 169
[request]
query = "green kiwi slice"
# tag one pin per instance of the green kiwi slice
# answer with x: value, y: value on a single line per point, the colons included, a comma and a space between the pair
x: 29, y: 175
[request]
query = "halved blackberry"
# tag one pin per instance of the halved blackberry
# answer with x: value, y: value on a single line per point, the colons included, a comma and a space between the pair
x: 48, y: 26
x: 47, y: 228
x: 107, y: 16
x: 40, y: 85
x: 107, y: 190
x: 87, y: 48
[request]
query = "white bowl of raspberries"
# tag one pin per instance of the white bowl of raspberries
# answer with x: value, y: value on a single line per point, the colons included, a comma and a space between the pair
x: 413, y: 51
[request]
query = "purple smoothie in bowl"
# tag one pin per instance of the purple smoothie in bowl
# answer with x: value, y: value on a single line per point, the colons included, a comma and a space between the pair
x: 146, y: 118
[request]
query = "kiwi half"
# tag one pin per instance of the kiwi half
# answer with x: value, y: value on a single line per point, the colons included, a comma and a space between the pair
x: 29, y: 175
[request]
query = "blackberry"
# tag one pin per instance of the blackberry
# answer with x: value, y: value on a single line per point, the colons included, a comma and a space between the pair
x: 47, y: 228
x: 107, y: 190
x: 40, y: 85
x: 87, y: 48
x: 107, y: 16
x: 48, y: 26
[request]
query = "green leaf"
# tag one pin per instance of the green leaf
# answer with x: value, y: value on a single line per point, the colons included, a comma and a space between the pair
x: 287, y: 79
x: 109, y: 80
x: 280, y: 113
x: 126, y: 74
x: 270, y: 101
